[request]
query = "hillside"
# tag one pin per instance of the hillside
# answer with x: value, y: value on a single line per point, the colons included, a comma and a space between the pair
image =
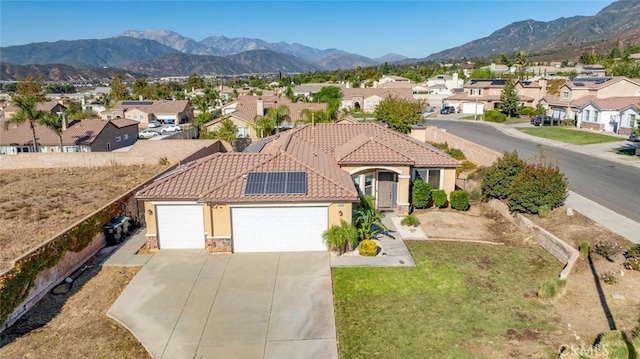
x: 60, y: 72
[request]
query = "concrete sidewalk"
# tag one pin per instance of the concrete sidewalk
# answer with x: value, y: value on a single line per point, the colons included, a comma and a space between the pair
x: 126, y: 255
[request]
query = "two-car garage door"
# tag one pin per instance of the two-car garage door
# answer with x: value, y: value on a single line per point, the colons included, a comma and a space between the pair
x: 278, y: 229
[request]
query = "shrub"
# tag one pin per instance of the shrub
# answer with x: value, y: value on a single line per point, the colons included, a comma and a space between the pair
x: 584, y: 249
x: 420, y: 193
x: 369, y: 201
x: 527, y: 110
x: 439, y: 197
x: 494, y: 116
x: 634, y: 251
x: 537, y: 185
x: 467, y: 166
x: 368, y: 248
x: 544, y: 211
x: 341, y: 238
x: 607, y: 249
x: 475, y: 195
x: 496, y: 180
x: 609, y: 277
x: 460, y: 200
x: 410, y: 221
x: 552, y: 288
x: 632, y: 263
x: 368, y: 222
x: 456, y: 153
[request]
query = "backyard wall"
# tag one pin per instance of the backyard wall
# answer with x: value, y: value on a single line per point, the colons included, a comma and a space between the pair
x: 552, y: 244
x: 480, y: 155
x: 142, y: 152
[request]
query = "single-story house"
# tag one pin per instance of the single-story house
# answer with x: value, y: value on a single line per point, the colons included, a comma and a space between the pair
x: 288, y: 189
x: 145, y: 111
x: 89, y: 135
x: 614, y: 114
x: 367, y: 99
x: 52, y: 107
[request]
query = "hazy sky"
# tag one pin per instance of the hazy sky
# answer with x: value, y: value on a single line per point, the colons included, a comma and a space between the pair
x: 370, y: 28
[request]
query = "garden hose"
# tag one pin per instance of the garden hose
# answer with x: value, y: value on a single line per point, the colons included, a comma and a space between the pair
x: 67, y: 284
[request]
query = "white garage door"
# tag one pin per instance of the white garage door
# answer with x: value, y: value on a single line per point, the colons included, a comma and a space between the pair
x: 180, y: 226
x: 470, y: 108
x: 279, y: 229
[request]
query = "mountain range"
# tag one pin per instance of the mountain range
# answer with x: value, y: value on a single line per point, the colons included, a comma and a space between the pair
x: 166, y: 53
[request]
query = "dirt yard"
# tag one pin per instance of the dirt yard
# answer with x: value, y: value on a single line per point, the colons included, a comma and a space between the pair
x: 580, y: 314
x: 75, y: 325
x: 35, y: 204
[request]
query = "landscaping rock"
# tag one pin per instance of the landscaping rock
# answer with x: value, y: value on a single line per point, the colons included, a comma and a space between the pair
x: 569, y: 211
x: 617, y: 296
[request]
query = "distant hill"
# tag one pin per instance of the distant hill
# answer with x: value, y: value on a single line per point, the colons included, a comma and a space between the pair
x: 535, y: 36
x: 256, y: 61
x: 60, y: 72
x: 174, y: 40
x: 111, y: 52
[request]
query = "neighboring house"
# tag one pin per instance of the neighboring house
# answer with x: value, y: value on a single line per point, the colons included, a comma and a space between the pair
x: 168, y: 111
x: 590, y: 70
x: 367, y: 99
x: 289, y: 189
x: 386, y: 79
x: 52, y: 107
x: 576, y: 93
x: 95, y: 106
x: 90, y: 135
x: 613, y: 114
x: 446, y: 82
x: 535, y: 90
x: 307, y: 90
x: 499, y: 69
x: 248, y: 107
x: 484, y: 94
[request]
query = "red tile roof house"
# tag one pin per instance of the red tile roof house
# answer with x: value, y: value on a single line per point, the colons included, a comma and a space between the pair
x: 90, y: 135
x: 288, y: 189
x: 145, y: 111
x: 248, y: 107
x: 614, y: 114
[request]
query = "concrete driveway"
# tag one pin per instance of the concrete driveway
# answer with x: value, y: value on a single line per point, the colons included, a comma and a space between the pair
x: 190, y: 304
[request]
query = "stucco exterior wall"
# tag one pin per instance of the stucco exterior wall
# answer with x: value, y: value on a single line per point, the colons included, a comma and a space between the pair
x: 221, y: 215
x: 449, y: 180
x: 619, y: 89
x: 335, y: 216
x: 109, y: 135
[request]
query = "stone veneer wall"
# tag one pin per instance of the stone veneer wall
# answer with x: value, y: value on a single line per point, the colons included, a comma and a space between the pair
x: 552, y: 244
x: 592, y: 126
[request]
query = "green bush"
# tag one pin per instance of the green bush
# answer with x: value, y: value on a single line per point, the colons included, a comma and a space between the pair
x: 616, y: 345
x: 552, y: 288
x: 456, y: 153
x: 467, y: 166
x: 609, y: 277
x: 420, y: 193
x: 341, y: 238
x: 537, y: 185
x: 527, y: 111
x: 494, y: 116
x: 459, y: 200
x: 607, y: 249
x: 368, y: 248
x: 475, y: 195
x: 496, y: 180
x: 584, y: 249
x: 544, y: 211
x: 439, y: 197
x: 410, y: 221
x: 632, y: 263
x: 634, y: 251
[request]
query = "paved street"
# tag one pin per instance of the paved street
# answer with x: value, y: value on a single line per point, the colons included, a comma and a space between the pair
x: 191, y: 304
x: 611, y: 184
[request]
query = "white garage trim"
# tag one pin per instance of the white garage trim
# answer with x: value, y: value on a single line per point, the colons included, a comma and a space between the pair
x: 279, y: 228
x: 180, y: 226
x: 279, y: 205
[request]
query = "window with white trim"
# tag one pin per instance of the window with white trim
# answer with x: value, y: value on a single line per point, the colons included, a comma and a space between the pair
x: 430, y: 175
x: 596, y: 115
x: 586, y: 116
x: 243, y: 132
x: 565, y: 95
x: 476, y: 92
x: 632, y: 120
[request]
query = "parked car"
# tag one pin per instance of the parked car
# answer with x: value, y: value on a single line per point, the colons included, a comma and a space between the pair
x: 447, y: 110
x: 171, y: 128
x: 633, y: 137
x: 154, y: 124
x: 543, y: 120
x: 148, y: 133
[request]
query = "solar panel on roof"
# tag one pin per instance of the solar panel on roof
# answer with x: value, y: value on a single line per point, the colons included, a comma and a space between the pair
x: 579, y: 84
x: 498, y: 82
x: 137, y: 103
x: 268, y: 183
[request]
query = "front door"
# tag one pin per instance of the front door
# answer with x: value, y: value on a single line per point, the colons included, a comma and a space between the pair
x: 386, y: 189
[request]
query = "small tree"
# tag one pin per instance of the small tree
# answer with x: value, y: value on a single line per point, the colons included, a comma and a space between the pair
x: 194, y: 81
x: 399, y: 113
x: 420, y: 193
x: 535, y: 186
x: 496, y: 180
x: 119, y: 90
x: 226, y: 132
x: 54, y: 123
x: 509, y: 99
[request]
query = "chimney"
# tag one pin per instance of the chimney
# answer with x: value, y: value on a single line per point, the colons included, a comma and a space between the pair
x: 260, y: 107
x: 64, y: 122
x: 543, y: 84
x: 141, y: 98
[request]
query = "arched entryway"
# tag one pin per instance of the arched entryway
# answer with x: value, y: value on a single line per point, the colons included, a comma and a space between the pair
x: 379, y: 182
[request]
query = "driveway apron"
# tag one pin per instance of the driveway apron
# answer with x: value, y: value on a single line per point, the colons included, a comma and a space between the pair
x: 187, y: 303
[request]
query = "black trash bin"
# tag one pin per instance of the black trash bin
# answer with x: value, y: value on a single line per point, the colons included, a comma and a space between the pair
x: 116, y: 230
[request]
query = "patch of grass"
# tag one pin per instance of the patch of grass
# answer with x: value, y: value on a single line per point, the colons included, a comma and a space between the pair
x: 569, y: 135
x: 552, y: 288
x: 626, y: 151
x: 461, y: 300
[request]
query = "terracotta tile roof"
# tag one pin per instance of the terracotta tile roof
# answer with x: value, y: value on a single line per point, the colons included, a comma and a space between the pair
x: 78, y: 132
x: 597, y: 82
x: 381, y: 92
x: 557, y: 101
x: 266, y: 99
x: 614, y: 103
x: 47, y: 106
x: 156, y: 107
x: 493, y: 98
x: 397, y: 85
x: 333, y: 138
x: 248, y: 111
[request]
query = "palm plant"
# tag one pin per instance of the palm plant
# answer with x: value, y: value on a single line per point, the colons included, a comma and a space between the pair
x: 27, y: 113
x: 263, y: 125
x: 369, y: 222
x: 54, y: 123
x: 341, y: 238
x: 279, y: 115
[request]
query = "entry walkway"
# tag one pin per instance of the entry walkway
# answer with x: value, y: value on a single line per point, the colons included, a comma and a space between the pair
x: 192, y: 304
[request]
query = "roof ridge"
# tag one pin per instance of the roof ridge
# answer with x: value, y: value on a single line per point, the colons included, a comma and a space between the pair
x: 319, y: 173
x: 422, y: 144
x: 342, y: 146
x: 392, y: 149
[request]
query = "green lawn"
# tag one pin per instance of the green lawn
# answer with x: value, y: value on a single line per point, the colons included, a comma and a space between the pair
x: 569, y: 135
x: 459, y: 302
